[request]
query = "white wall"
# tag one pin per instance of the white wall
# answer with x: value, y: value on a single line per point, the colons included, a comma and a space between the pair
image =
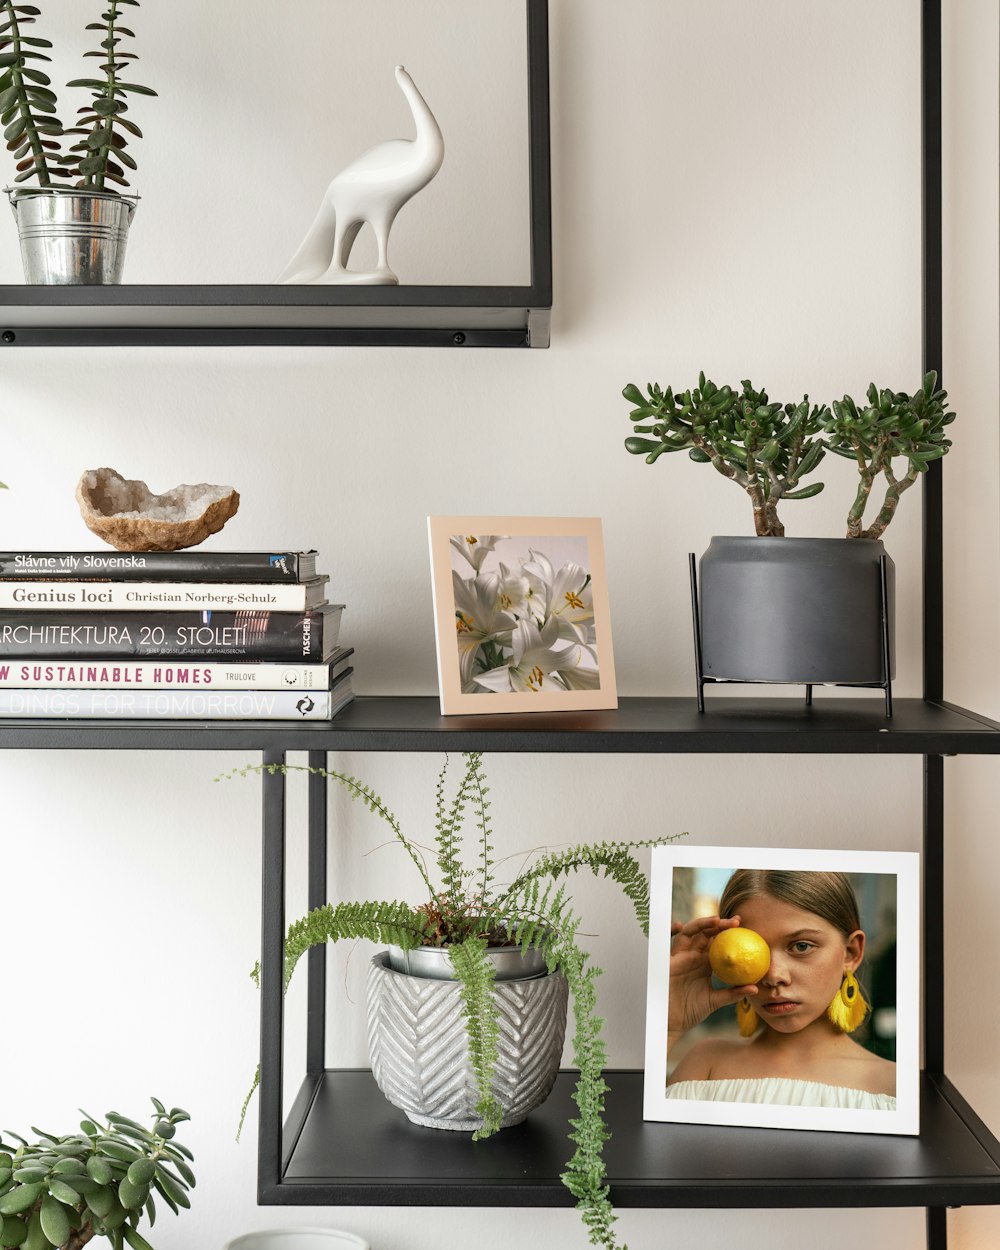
x: 736, y: 188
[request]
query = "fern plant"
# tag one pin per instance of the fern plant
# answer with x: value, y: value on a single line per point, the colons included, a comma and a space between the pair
x: 467, y: 913
x: 65, y: 1191
x: 28, y: 104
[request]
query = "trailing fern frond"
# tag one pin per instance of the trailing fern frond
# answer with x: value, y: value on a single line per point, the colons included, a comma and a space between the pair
x: 475, y: 973
x: 357, y: 790
x: 448, y: 839
x: 613, y: 859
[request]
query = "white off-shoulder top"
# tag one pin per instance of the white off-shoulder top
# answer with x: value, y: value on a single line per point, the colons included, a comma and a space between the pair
x: 783, y: 1092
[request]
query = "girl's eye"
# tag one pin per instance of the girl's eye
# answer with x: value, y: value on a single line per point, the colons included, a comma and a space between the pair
x: 802, y: 948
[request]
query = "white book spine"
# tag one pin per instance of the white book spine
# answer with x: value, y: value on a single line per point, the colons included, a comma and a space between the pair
x: 160, y: 596
x: 169, y: 704
x: 98, y: 674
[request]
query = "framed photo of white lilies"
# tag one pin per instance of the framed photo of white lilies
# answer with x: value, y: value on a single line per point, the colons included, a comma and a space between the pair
x: 784, y: 988
x: 521, y: 614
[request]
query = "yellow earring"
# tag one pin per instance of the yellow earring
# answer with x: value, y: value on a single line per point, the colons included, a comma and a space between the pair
x: 746, y: 1018
x: 848, y: 1008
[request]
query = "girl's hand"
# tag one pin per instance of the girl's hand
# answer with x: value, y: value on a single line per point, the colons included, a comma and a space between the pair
x: 692, y: 996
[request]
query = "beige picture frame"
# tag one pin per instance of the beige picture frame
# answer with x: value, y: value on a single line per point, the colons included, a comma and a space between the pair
x: 521, y: 614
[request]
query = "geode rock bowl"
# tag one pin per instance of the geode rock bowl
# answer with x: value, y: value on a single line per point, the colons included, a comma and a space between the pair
x: 130, y: 517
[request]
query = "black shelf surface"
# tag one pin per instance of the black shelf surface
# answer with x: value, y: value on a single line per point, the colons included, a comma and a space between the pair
x: 639, y: 725
x: 348, y: 1145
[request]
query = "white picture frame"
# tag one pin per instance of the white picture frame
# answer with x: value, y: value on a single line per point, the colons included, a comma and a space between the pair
x: 710, y: 867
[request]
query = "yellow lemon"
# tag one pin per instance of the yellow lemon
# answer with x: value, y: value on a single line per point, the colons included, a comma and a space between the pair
x: 739, y: 956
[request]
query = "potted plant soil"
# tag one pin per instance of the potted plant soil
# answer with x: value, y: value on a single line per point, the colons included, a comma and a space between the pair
x: 71, y: 232
x: 796, y: 610
x: 467, y: 1007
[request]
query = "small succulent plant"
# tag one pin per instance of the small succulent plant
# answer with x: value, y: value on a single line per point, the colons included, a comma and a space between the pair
x: 64, y: 1191
x: 28, y: 105
x: 890, y: 427
x: 769, y: 448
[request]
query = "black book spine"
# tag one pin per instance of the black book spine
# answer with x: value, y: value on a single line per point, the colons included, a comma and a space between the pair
x: 151, y: 566
x: 285, y: 636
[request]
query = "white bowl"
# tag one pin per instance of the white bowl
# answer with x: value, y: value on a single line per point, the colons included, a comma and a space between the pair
x: 298, y: 1239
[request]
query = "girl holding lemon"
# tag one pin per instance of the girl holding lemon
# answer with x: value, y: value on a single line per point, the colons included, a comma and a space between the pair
x: 789, y: 945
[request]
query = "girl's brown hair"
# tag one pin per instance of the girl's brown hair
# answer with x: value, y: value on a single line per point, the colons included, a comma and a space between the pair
x: 826, y: 894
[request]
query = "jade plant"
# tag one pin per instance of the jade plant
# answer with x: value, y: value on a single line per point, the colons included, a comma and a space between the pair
x: 467, y: 913
x: 769, y: 448
x: 65, y: 1191
x: 34, y: 134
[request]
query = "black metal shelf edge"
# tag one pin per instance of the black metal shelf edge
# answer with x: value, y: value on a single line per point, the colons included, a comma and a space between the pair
x: 639, y: 725
x: 354, y: 1148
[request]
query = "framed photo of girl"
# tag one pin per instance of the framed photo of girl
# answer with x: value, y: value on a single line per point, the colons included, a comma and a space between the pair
x: 521, y: 614
x: 784, y: 989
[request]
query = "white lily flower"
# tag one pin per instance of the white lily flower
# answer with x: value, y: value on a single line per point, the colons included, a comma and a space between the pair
x: 578, y: 678
x: 479, y: 619
x: 475, y: 547
x: 513, y: 590
x: 535, y: 661
x: 568, y: 597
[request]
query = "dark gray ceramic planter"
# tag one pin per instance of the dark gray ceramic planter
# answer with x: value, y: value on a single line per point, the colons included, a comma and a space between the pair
x: 796, y: 610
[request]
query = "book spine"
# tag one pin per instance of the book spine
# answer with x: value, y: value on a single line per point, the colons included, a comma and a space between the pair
x: 283, y: 636
x: 141, y: 596
x: 98, y: 674
x: 170, y: 705
x: 193, y: 566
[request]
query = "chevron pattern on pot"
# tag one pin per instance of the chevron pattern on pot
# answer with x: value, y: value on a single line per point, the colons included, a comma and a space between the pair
x: 420, y: 1053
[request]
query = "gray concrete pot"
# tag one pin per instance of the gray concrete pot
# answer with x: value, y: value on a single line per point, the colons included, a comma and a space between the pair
x: 420, y: 1051
x: 797, y: 610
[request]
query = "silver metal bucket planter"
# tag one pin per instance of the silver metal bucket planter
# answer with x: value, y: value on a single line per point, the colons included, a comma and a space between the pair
x: 72, y: 237
x: 419, y: 1047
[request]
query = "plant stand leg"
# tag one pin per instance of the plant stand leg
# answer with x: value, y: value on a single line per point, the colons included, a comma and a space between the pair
x: 886, y: 642
x: 809, y: 695
x: 696, y: 624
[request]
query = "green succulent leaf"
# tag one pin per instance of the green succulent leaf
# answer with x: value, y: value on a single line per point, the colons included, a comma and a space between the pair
x: 20, y: 1199
x: 54, y: 1221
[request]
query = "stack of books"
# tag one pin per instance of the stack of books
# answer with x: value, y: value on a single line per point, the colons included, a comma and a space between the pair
x: 170, y: 634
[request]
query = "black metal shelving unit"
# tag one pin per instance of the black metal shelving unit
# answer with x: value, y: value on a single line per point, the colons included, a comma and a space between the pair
x: 339, y: 316
x: 307, y: 1158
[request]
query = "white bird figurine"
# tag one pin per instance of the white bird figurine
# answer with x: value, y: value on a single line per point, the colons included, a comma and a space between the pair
x: 372, y: 188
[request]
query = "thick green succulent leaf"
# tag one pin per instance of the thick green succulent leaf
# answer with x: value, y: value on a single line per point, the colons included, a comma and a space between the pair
x: 54, y: 1221
x: 19, y: 1199
x: 807, y: 492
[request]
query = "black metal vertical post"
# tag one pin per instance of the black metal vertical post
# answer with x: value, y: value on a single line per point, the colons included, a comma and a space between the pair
x: 933, y: 565
x: 933, y: 340
x: 272, y: 947
x: 316, y: 1010
x: 937, y: 1228
x: 933, y: 856
x: 540, y: 172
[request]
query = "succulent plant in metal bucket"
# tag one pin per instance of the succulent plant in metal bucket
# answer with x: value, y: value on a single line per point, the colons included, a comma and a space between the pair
x: 56, y: 187
x: 469, y: 915
x: 65, y: 1191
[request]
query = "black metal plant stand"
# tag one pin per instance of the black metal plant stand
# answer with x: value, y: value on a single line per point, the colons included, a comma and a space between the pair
x: 884, y: 685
